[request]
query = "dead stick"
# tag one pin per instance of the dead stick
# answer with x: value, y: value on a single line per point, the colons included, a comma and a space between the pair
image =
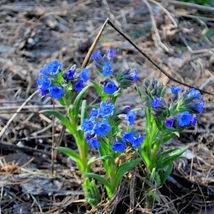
x: 85, y: 62
x: 192, y: 5
x: 152, y: 61
x: 20, y: 108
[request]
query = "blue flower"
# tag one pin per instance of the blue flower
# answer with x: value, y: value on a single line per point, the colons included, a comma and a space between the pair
x: 110, y: 87
x: 70, y: 74
x: 102, y: 128
x: 196, y: 107
x: 124, y: 78
x: 94, y: 113
x: 192, y: 94
x: 111, y: 54
x: 56, y: 91
x: 87, y: 125
x: 106, y: 109
x: 175, y: 89
x: 96, y: 55
x: 93, y: 142
x: 42, y: 92
x: 128, y: 136
x: 156, y: 102
x: 107, y: 69
x: 44, y: 83
x: 200, y: 106
x: 51, y: 69
x: 184, y: 118
x: 193, y: 120
x: 131, y: 117
x: 118, y: 146
x: 124, y: 110
x: 88, y: 135
x: 134, y: 76
x: 84, y: 75
x: 78, y: 85
x: 137, y: 141
x: 169, y: 122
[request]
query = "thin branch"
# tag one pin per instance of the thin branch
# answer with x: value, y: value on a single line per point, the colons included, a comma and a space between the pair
x: 85, y: 62
x: 167, y: 12
x: 12, y: 118
x: 152, y: 61
x: 192, y: 5
x: 158, y: 41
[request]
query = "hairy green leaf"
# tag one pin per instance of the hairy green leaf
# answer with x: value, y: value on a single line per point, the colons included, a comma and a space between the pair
x: 122, y: 169
x: 72, y: 154
x: 102, y: 181
x: 166, y: 174
x: 62, y: 118
x: 77, y: 102
x: 173, y: 156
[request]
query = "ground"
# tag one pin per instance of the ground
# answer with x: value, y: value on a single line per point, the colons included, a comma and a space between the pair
x: 177, y: 37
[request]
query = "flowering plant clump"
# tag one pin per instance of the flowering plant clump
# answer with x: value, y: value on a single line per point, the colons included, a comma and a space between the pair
x: 99, y: 127
x: 163, y: 122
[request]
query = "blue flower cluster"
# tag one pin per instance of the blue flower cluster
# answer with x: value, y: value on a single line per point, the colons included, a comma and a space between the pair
x: 97, y: 125
x: 52, y: 83
x: 104, y: 66
x: 130, y: 137
x: 181, y: 111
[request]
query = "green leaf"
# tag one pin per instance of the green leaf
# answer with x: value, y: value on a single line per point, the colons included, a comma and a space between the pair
x: 104, y: 151
x: 173, y: 156
x: 60, y: 78
x: 93, y: 159
x: 98, y: 88
x: 77, y: 101
x: 72, y: 154
x: 62, y: 101
x: 62, y: 118
x: 102, y: 181
x: 122, y: 169
x: 139, y: 91
x: 92, y: 194
x: 144, y: 156
x: 166, y: 174
x: 164, y: 153
x: 83, y: 111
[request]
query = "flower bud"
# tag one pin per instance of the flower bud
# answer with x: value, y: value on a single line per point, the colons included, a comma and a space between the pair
x: 124, y: 110
x: 152, y: 88
x: 196, y: 107
x: 125, y: 78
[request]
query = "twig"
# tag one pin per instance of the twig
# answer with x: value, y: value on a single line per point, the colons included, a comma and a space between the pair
x: 85, y: 62
x: 166, y: 11
x: 12, y: 118
x: 29, y: 107
x: 193, y: 16
x: 190, y: 49
x: 110, y: 14
x: 10, y: 147
x: 158, y: 41
x: 192, y: 5
x: 153, y: 62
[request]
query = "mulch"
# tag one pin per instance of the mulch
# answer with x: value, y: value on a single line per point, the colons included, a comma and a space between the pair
x: 176, y: 36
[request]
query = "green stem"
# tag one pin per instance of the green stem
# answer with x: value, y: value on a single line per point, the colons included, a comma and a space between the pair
x: 81, y: 147
x: 153, y: 156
